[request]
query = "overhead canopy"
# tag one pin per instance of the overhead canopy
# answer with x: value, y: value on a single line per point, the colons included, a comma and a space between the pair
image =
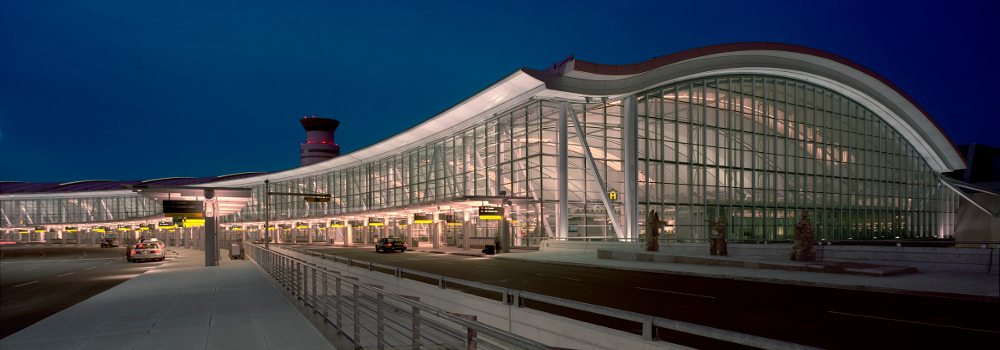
x: 231, y: 200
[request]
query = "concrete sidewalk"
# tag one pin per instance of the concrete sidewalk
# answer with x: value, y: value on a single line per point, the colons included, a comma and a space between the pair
x: 179, y: 305
x: 955, y: 285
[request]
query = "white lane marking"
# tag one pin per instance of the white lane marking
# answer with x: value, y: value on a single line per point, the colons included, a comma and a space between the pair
x: 565, y: 278
x: 31, y: 268
x: 491, y: 268
x: 667, y: 291
x: 907, y: 321
x: 65, y: 274
x: 442, y: 262
x: 89, y: 268
x: 25, y: 284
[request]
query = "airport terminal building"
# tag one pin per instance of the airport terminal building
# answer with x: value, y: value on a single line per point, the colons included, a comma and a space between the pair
x: 754, y: 133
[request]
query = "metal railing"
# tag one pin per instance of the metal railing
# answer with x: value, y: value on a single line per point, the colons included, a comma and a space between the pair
x: 516, y: 298
x: 372, y: 318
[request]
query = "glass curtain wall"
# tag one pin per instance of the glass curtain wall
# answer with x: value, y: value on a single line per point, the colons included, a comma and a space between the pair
x: 30, y: 212
x: 757, y: 151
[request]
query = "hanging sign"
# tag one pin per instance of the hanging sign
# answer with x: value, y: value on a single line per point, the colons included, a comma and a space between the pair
x: 376, y: 222
x: 336, y: 223
x: 401, y: 223
x: 490, y: 213
x: 452, y: 221
x: 301, y: 225
x: 188, y: 209
x: 70, y: 229
x: 422, y: 218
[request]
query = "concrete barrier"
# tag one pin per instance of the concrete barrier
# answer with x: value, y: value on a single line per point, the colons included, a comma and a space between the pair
x: 983, y: 260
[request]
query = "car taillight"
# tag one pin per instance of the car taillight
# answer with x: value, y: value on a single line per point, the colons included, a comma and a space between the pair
x: 133, y: 252
x: 156, y: 252
x: 404, y: 244
x: 390, y: 244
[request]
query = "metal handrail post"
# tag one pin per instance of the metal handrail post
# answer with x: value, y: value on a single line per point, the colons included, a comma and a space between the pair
x: 381, y: 322
x: 357, y: 318
x: 339, y: 304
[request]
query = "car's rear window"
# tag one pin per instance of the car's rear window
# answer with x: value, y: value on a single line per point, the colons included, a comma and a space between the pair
x: 395, y: 240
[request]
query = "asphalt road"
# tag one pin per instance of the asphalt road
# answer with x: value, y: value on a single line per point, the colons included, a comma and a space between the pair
x: 37, y: 281
x: 820, y: 317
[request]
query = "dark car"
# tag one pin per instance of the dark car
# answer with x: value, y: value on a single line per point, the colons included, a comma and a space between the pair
x: 390, y: 244
x: 109, y: 243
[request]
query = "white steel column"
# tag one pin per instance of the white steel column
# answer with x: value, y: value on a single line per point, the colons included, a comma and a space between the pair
x: 562, y: 222
x: 349, y: 237
x: 630, y: 139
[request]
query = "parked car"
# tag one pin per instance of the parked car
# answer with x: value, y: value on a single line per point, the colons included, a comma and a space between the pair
x: 390, y: 244
x: 109, y: 242
x: 146, y: 251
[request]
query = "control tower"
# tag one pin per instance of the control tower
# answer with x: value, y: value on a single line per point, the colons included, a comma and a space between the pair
x: 319, y: 145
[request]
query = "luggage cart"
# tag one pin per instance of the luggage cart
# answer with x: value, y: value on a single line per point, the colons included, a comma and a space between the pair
x: 236, y: 252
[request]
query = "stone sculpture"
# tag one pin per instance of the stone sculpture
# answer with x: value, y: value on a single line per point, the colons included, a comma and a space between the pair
x: 653, y: 231
x: 717, y: 240
x: 804, y: 240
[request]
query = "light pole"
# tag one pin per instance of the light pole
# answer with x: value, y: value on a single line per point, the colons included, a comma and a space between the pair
x: 267, y: 214
x: 309, y: 197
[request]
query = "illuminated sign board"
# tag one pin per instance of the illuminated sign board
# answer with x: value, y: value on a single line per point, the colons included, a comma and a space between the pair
x: 612, y: 195
x: 99, y: 229
x: 376, y: 222
x: 452, y: 221
x: 490, y: 213
x: 236, y: 228
x: 71, y: 229
x: 39, y: 229
x: 422, y: 218
x: 401, y: 223
x: 194, y: 222
x: 301, y: 225
x: 355, y: 223
x: 187, y: 209
x: 167, y: 224
x: 26, y: 231
x: 336, y: 223
x: 320, y: 225
x: 124, y: 227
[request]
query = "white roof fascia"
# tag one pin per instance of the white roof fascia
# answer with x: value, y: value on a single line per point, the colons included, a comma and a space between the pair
x: 513, y: 89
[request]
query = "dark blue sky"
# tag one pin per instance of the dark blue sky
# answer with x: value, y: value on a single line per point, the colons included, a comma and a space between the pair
x: 125, y: 91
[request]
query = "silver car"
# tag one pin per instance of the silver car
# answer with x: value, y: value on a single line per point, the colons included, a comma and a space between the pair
x: 147, y: 251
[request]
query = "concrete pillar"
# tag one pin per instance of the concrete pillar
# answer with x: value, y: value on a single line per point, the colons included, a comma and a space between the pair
x: 350, y: 236
x: 504, y: 236
x: 466, y: 232
x: 211, y: 240
x: 310, y: 233
x: 436, y: 235
x: 63, y: 237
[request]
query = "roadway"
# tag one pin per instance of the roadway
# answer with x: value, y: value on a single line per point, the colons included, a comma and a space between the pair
x: 37, y: 281
x: 820, y: 317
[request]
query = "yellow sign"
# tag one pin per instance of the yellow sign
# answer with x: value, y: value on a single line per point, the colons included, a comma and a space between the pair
x: 613, y: 195
x: 98, y: 230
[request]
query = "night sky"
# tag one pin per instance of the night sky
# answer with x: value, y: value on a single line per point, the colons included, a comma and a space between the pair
x: 133, y: 90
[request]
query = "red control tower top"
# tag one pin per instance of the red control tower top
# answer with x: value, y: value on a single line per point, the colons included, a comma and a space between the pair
x: 319, y: 145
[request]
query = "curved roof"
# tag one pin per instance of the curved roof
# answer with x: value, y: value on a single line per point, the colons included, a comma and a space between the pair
x: 10, y: 187
x: 833, y: 72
